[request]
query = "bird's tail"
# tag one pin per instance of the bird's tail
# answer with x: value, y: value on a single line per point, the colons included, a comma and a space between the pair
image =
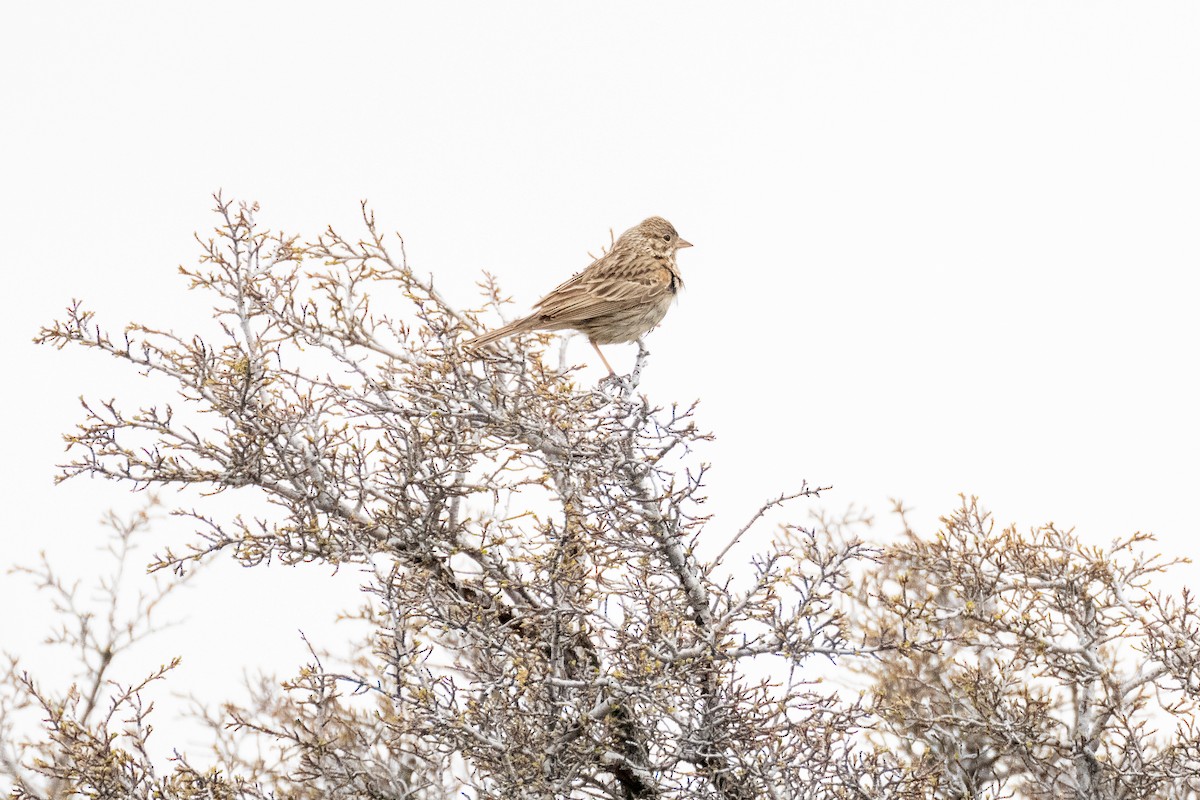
x: 516, y: 326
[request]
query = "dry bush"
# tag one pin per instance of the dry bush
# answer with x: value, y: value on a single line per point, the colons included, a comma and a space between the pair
x: 541, y: 625
x: 1061, y: 673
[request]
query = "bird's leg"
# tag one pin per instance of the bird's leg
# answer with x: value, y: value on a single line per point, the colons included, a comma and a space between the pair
x: 600, y: 353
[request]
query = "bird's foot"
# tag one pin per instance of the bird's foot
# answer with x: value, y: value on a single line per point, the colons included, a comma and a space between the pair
x: 620, y: 384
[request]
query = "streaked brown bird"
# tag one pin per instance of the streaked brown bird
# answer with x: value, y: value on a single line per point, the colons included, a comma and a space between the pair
x: 616, y: 299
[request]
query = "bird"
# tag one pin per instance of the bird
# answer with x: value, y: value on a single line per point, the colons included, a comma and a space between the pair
x: 617, y: 299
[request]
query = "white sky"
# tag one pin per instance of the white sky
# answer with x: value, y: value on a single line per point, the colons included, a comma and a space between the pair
x: 941, y: 247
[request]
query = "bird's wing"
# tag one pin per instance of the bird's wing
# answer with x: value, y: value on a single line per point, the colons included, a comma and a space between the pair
x: 609, y: 284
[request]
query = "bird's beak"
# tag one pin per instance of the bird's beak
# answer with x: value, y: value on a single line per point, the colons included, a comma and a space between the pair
x: 681, y: 243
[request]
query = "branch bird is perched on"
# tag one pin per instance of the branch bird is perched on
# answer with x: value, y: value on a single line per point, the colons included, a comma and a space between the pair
x: 616, y: 299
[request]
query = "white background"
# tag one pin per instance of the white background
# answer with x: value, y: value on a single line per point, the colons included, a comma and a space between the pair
x: 940, y: 247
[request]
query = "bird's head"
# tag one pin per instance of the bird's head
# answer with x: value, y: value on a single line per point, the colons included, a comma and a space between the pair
x: 656, y: 235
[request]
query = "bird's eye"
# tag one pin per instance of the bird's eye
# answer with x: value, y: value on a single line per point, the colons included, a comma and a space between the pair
x: 666, y: 237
